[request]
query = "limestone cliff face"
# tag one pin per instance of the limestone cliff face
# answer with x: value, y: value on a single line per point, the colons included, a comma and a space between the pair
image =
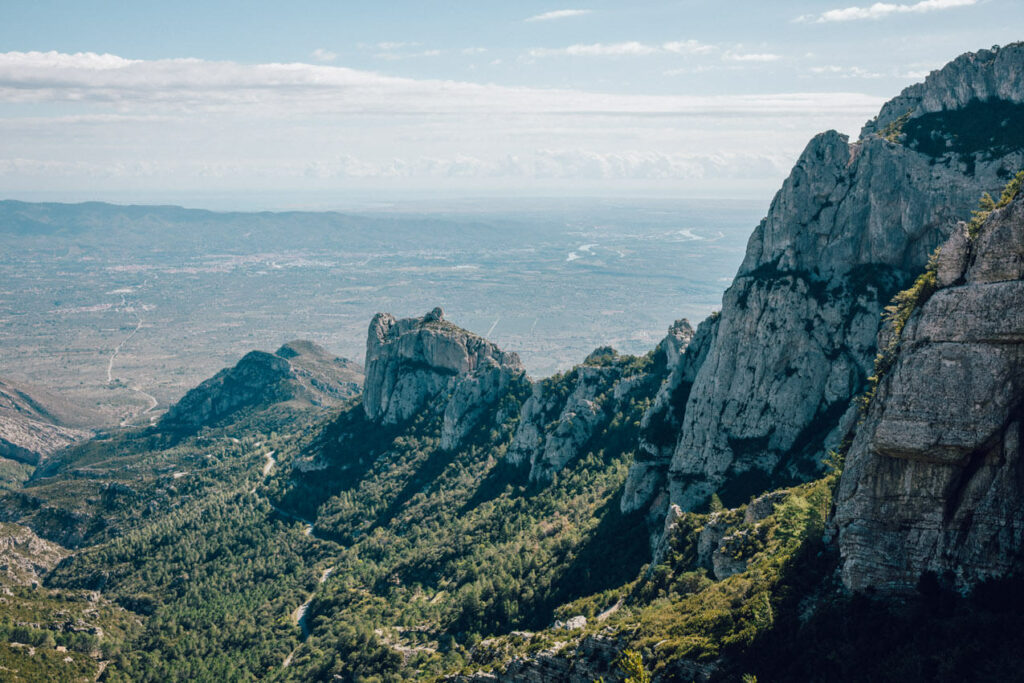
x: 299, y: 371
x: 683, y: 351
x: 935, y: 474
x: 427, y: 363
x: 796, y: 337
x: 563, y: 414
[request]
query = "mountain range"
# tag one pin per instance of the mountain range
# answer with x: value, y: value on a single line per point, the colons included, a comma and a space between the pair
x: 820, y: 481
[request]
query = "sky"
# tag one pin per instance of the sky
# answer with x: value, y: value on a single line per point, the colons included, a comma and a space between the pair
x: 260, y: 104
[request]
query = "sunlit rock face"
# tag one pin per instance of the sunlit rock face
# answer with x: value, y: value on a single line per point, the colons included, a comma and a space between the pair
x: 797, y: 333
x: 427, y: 363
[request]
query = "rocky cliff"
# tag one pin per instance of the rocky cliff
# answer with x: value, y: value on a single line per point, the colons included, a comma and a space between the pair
x: 299, y: 371
x: 26, y: 559
x: 684, y: 352
x: 564, y: 413
x: 934, y: 475
x: 796, y: 336
x: 427, y: 363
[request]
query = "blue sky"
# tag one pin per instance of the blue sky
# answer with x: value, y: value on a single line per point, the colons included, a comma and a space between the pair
x: 134, y: 99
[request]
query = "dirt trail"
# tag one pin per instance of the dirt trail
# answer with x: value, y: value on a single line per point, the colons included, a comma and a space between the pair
x: 299, y: 615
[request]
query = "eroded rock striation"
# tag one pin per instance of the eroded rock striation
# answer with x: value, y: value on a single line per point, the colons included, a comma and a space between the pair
x: 933, y: 479
x: 796, y: 337
x: 427, y: 363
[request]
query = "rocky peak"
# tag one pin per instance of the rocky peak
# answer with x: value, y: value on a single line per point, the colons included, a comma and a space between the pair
x: 932, y: 482
x: 428, y: 363
x: 797, y: 334
x: 299, y: 371
x: 995, y: 74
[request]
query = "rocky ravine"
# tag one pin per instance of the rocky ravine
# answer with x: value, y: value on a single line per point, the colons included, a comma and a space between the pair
x: 34, y: 423
x: 854, y: 223
x: 934, y: 476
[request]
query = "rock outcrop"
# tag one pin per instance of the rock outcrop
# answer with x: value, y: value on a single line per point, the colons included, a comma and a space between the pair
x: 30, y: 441
x: 683, y: 352
x: 26, y: 559
x: 299, y: 372
x: 560, y: 417
x: 985, y: 75
x: 796, y: 337
x: 934, y: 477
x: 568, y: 414
x: 427, y: 363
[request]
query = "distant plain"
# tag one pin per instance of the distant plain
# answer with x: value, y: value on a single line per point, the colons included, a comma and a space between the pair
x: 125, y: 307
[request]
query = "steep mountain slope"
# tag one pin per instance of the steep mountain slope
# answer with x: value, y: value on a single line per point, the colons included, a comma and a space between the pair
x: 299, y: 372
x: 460, y: 520
x: 852, y: 224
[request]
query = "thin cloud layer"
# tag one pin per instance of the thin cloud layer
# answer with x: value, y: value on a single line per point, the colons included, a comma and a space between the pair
x: 558, y: 14
x: 87, y: 78
x: 323, y: 56
x: 101, y: 120
x: 880, y: 10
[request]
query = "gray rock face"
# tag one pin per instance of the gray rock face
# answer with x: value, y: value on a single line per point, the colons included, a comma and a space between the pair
x: 26, y: 559
x: 554, y: 426
x: 933, y: 477
x: 984, y: 75
x: 589, y: 660
x: 418, y: 364
x: 31, y: 441
x: 798, y: 329
x: 683, y: 352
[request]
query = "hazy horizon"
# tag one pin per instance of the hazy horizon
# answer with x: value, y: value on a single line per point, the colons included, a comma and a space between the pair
x: 657, y: 99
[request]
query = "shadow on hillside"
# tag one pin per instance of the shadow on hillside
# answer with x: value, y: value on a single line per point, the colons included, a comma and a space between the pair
x: 611, y: 558
x: 935, y: 635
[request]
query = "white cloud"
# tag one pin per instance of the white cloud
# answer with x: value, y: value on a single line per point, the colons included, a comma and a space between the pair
x: 751, y: 57
x: 194, y: 84
x: 167, y: 123
x: 688, y: 47
x: 323, y: 56
x: 845, y: 71
x: 558, y: 14
x: 630, y: 48
x: 883, y: 9
x: 394, y: 45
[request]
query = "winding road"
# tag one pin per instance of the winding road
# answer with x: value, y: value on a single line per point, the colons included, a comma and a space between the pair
x: 153, y: 403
